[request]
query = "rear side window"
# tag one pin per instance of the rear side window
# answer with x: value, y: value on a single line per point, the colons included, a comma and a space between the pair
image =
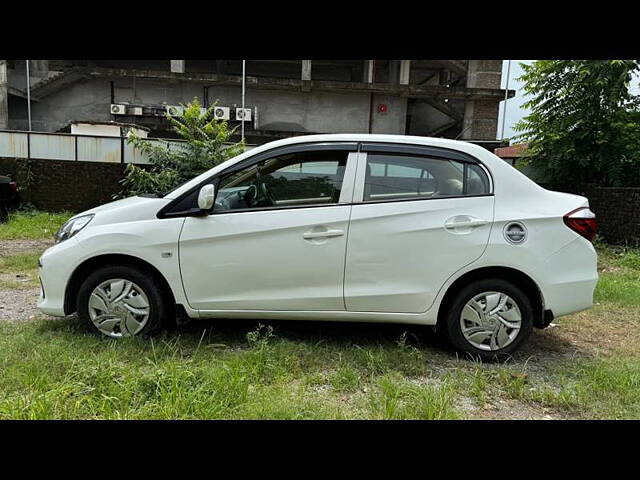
x: 399, y: 176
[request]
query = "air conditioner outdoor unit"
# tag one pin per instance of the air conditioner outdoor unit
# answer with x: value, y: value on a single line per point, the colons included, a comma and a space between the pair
x: 222, y: 113
x: 243, y: 113
x: 175, y: 110
x: 117, y: 109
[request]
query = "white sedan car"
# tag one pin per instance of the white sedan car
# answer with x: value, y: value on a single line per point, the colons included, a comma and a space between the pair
x: 375, y: 228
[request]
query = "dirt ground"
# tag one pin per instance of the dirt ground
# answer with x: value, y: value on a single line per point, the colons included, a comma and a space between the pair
x: 18, y: 304
x: 17, y: 247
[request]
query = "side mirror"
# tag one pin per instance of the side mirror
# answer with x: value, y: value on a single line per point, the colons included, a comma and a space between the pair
x: 206, y: 197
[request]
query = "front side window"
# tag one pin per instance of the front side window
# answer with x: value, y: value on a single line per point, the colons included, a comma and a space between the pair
x: 398, y: 176
x: 296, y: 179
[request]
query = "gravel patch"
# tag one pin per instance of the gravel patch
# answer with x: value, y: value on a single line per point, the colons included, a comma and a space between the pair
x: 19, y: 304
x: 16, y: 247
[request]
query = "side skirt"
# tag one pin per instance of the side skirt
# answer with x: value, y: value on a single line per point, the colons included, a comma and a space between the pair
x: 333, y: 315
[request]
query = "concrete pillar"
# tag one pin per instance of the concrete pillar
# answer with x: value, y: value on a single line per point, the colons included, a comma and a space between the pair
x: 481, y: 116
x: 367, y: 76
x: 177, y: 66
x: 4, y: 109
x: 405, y: 70
x: 39, y: 68
x: 306, y: 75
x: 306, y: 69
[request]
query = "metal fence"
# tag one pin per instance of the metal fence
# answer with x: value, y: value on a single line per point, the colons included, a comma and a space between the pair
x: 71, y: 147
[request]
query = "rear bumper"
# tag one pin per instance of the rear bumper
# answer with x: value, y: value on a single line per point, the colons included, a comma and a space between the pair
x: 573, y: 275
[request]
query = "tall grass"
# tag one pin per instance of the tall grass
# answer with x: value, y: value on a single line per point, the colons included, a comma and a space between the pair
x: 50, y: 369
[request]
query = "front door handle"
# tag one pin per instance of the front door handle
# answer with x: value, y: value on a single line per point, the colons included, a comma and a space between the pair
x: 322, y: 234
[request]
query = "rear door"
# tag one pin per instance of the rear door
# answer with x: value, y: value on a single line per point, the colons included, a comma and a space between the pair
x: 419, y: 215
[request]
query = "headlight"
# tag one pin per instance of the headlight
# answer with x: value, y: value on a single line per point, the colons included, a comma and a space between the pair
x: 72, y: 227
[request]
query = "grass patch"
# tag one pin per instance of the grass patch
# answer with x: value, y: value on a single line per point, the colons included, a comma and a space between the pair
x: 619, y: 282
x: 21, y: 263
x: 596, y: 388
x: 19, y: 271
x: 50, y: 369
x: 32, y: 224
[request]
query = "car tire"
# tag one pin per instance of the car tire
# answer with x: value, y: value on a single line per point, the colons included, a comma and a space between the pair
x: 119, y: 301
x: 4, y: 214
x: 489, y: 336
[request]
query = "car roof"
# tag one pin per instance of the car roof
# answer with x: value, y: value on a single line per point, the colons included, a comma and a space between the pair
x: 372, y: 137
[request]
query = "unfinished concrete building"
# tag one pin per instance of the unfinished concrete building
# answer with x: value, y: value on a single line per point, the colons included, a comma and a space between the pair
x: 443, y: 98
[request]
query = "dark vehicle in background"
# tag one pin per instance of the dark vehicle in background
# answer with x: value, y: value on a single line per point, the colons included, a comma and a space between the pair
x: 8, y: 197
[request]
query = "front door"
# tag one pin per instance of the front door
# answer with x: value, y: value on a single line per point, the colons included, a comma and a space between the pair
x: 416, y: 220
x: 276, y: 237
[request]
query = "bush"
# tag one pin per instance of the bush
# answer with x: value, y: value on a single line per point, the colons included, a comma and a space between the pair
x: 206, y: 145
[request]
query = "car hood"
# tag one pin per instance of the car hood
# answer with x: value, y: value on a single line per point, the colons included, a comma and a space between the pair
x: 127, y: 210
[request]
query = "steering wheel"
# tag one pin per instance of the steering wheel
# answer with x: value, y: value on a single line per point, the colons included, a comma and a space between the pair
x: 266, y: 194
x: 250, y: 196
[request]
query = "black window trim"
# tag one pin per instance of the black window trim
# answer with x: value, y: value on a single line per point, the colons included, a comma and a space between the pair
x: 165, y: 212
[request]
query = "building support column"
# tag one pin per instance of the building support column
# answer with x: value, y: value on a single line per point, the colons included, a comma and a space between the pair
x: 405, y: 70
x: 367, y: 74
x: 39, y: 68
x: 177, y: 66
x: 306, y: 75
x: 481, y: 116
x: 4, y: 108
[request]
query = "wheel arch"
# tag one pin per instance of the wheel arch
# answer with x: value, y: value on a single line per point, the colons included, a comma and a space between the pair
x: 91, y: 264
x: 513, y: 275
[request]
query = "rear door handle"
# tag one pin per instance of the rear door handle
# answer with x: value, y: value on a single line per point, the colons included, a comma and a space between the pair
x: 323, y: 234
x: 463, y: 221
x: 466, y: 223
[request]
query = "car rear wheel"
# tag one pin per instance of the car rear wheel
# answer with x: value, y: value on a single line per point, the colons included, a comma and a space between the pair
x: 4, y: 214
x: 489, y: 319
x: 121, y: 301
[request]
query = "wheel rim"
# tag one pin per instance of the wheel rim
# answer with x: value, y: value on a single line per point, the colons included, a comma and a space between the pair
x: 490, y: 321
x: 119, y: 308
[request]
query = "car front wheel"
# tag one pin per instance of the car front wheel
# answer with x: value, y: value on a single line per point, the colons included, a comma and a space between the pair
x: 489, y: 319
x: 121, y: 301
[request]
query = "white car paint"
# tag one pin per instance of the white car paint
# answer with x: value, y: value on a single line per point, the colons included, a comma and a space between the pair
x: 377, y: 262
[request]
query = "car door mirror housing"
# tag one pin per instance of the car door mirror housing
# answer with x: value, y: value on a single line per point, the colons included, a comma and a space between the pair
x: 206, y: 197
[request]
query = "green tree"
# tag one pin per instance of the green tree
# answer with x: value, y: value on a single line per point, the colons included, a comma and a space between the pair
x: 207, y: 143
x: 584, y: 122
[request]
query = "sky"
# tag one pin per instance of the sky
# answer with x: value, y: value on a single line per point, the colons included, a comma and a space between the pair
x: 514, y: 105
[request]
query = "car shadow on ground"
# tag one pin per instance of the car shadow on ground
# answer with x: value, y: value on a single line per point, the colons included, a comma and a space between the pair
x: 543, y: 345
x: 312, y: 331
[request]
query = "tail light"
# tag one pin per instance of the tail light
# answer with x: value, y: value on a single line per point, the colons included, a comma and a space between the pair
x: 582, y: 221
x: 13, y: 186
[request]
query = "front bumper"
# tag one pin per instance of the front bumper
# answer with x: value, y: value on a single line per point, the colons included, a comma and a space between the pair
x: 55, y: 268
